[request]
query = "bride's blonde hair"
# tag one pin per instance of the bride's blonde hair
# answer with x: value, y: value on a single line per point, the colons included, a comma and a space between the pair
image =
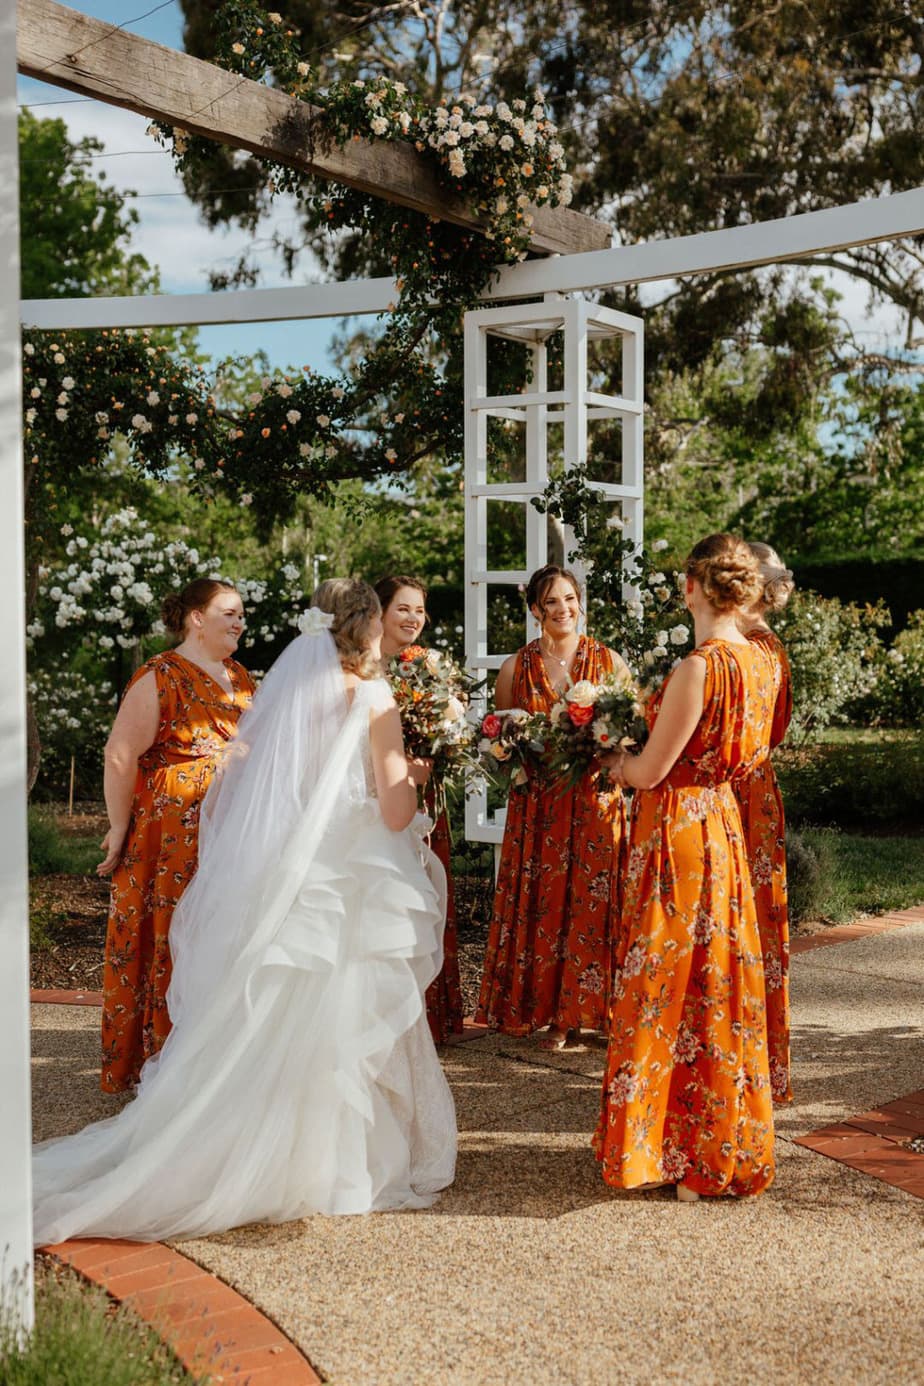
x: 353, y: 605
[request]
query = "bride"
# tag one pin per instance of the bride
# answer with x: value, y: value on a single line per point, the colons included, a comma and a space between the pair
x: 299, y: 1076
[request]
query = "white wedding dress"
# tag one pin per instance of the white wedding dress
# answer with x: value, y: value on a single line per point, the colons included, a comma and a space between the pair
x: 300, y: 1076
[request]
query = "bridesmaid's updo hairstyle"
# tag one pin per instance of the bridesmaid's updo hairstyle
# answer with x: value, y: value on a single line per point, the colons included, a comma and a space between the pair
x: 387, y: 587
x: 777, y: 578
x: 353, y: 605
x: 727, y: 571
x: 177, y: 607
x: 538, y: 586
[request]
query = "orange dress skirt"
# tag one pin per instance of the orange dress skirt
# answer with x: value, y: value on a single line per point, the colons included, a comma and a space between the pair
x: 686, y: 1093
x: 764, y: 823
x: 197, y: 720
x: 556, y: 907
x: 443, y: 996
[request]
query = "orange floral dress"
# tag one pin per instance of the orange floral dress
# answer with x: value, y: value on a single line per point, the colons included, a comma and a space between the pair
x: 444, y: 994
x: 197, y: 720
x: 764, y: 826
x: 686, y: 1094
x: 557, y: 901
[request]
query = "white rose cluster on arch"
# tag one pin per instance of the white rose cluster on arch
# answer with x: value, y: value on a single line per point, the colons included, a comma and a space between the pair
x: 510, y: 150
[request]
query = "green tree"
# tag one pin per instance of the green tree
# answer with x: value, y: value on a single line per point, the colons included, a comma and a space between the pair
x: 76, y: 231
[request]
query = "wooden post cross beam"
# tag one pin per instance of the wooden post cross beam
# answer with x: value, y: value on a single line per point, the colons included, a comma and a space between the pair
x: 71, y: 50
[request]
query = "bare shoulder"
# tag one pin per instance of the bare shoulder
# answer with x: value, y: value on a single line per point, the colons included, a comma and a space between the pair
x: 142, y: 691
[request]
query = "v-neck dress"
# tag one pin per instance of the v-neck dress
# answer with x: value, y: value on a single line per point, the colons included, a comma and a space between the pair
x: 198, y: 718
x: 556, y: 908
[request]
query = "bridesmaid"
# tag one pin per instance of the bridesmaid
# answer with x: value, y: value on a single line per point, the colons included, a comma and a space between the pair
x: 762, y: 818
x: 686, y: 1094
x: 179, y: 712
x: 556, y: 905
x: 404, y: 615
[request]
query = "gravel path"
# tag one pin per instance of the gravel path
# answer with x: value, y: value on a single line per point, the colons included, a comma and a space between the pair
x: 530, y: 1269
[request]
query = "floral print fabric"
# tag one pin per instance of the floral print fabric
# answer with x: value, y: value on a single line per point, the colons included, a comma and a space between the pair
x: 197, y: 720
x: 557, y: 904
x: 764, y: 825
x: 686, y: 1094
x: 443, y: 996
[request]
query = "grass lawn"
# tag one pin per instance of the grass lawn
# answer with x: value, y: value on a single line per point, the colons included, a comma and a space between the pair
x: 836, y: 876
x: 82, y: 1338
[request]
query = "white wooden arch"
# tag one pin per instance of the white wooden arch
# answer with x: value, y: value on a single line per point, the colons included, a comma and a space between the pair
x: 742, y: 247
x: 572, y: 407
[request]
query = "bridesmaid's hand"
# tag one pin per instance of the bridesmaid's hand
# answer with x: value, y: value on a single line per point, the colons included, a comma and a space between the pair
x: 420, y: 770
x: 112, y: 845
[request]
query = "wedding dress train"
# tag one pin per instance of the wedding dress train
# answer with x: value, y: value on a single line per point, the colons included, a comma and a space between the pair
x: 300, y: 1076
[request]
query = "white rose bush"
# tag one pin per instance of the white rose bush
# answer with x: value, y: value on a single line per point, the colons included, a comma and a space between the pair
x: 97, y: 616
x: 108, y: 597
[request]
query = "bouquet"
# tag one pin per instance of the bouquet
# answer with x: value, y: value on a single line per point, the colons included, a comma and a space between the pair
x: 512, y: 743
x: 432, y: 693
x: 589, y: 720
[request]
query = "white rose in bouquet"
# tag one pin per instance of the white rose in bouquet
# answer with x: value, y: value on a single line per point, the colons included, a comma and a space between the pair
x: 583, y: 693
x: 455, y: 711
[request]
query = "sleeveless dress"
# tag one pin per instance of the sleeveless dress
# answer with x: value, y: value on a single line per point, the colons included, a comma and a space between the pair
x: 306, y: 1081
x: 686, y: 1092
x: 444, y: 994
x: 556, y: 907
x: 197, y: 721
x: 763, y: 820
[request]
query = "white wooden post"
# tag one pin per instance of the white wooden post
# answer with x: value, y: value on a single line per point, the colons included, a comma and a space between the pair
x: 574, y: 406
x: 15, y: 1169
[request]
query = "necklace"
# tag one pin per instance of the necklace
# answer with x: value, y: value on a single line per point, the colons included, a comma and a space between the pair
x: 564, y: 663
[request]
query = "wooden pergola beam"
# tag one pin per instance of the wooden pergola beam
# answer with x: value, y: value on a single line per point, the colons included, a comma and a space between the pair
x: 72, y: 50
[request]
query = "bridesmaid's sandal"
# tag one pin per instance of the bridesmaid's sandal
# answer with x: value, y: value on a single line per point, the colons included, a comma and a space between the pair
x: 556, y: 1039
x: 685, y: 1195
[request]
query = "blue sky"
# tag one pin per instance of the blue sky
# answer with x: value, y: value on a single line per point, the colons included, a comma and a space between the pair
x: 171, y: 234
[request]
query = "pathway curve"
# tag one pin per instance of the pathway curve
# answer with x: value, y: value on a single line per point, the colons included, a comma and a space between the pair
x: 530, y: 1269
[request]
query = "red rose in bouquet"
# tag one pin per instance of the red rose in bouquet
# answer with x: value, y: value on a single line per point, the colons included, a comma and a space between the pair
x: 579, y: 715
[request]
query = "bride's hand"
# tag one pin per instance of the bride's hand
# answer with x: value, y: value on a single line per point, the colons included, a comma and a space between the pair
x: 420, y: 770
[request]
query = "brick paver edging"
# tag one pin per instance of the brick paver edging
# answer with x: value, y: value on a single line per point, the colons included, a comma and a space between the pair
x: 843, y: 933
x: 65, y: 998
x: 212, y: 1329
x: 876, y: 1142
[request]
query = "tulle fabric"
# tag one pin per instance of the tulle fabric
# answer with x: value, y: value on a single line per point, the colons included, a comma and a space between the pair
x: 300, y: 1076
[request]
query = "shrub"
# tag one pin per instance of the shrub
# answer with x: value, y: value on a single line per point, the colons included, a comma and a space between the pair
x: 810, y: 871
x: 837, y: 876
x: 50, y: 852
x: 855, y: 784
x: 835, y: 652
x: 901, y: 702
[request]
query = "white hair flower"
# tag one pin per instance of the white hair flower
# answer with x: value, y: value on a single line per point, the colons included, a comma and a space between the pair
x: 314, y: 620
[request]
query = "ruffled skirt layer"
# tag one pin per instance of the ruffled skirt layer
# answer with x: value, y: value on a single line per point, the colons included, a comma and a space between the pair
x: 305, y: 1081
